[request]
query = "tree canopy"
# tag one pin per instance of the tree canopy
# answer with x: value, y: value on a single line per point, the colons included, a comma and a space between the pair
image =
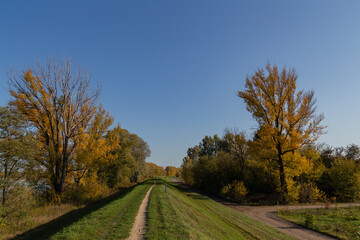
x: 286, y: 116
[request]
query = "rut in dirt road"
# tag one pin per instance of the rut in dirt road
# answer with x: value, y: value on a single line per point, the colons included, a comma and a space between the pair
x: 139, y: 228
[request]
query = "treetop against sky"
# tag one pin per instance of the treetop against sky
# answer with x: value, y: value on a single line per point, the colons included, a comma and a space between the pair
x: 170, y: 71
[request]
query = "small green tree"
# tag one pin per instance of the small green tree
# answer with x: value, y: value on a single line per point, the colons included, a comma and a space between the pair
x: 17, y: 152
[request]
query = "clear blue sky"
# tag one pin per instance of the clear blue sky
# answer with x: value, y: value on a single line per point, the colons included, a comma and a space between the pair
x: 170, y: 70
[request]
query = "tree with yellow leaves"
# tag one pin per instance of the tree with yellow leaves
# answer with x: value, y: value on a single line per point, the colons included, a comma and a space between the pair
x: 286, y: 117
x: 57, y: 100
x: 93, y: 148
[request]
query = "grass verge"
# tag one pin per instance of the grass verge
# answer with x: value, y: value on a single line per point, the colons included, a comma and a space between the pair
x: 35, y: 217
x: 111, y: 218
x: 183, y: 214
x: 343, y: 223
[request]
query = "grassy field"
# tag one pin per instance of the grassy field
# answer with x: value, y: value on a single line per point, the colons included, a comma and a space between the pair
x: 343, y: 223
x: 111, y: 218
x: 183, y: 214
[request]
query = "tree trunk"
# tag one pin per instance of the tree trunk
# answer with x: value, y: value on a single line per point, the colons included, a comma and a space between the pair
x: 3, y: 196
x: 65, y: 162
x: 283, y: 184
x: 5, y: 182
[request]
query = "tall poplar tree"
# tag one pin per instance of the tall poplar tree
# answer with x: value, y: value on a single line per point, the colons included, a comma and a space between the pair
x: 286, y: 116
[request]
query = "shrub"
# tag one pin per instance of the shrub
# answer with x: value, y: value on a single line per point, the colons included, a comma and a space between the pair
x: 225, y: 190
x: 239, y: 191
x: 341, y: 181
x: 16, y: 213
x: 235, y: 191
x: 309, y: 192
x: 86, y: 192
x: 309, y: 220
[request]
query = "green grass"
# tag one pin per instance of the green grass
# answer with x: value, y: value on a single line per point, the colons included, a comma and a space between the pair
x: 110, y: 218
x: 183, y: 214
x: 343, y: 223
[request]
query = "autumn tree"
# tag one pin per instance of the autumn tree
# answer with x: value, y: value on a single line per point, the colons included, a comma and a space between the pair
x: 154, y: 170
x: 126, y: 158
x: 93, y: 149
x: 285, y: 116
x: 57, y: 100
x: 171, y: 171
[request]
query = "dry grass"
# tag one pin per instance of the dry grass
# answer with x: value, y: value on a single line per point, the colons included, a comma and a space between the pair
x: 47, y: 213
x: 36, y: 217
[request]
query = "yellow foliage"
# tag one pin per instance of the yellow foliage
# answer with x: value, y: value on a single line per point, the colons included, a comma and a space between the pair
x: 235, y: 191
x: 172, y: 171
x: 286, y: 118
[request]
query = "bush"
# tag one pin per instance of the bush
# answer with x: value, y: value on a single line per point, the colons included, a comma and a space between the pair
x: 235, y: 191
x: 225, y: 190
x: 309, y: 220
x: 16, y: 212
x: 239, y: 191
x: 309, y: 193
x: 86, y: 192
x: 341, y: 181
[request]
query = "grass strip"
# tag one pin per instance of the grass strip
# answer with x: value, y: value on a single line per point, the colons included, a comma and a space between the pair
x: 110, y: 219
x: 343, y: 223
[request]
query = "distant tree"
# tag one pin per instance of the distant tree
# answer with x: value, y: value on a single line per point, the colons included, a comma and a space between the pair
x: 286, y: 117
x: 352, y: 151
x: 57, y: 100
x: 171, y: 171
x: 210, y: 145
x: 126, y: 158
x: 237, y: 145
x: 140, y: 151
x: 327, y: 156
x: 339, y: 152
x: 154, y: 170
x: 187, y: 170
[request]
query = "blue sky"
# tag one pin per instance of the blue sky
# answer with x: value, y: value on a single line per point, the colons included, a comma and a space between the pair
x: 170, y: 70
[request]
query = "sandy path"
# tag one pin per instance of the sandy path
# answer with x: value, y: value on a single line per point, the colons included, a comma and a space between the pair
x: 139, y: 228
x: 267, y: 215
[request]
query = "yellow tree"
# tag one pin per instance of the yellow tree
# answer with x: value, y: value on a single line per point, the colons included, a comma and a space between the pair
x: 171, y: 171
x: 56, y: 99
x: 93, y: 149
x: 286, y: 117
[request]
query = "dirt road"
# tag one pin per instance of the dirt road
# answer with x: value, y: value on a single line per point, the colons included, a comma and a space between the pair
x: 139, y: 228
x: 266, y: 214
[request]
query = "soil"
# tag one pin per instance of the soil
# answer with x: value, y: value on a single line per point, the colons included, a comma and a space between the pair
x: 139, y: 228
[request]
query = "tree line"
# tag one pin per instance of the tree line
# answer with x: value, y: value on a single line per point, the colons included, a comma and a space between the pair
x: 280, y: 160
x: 58, y: 143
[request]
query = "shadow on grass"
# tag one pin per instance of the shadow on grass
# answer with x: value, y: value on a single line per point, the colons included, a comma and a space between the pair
x: 46, y: 230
